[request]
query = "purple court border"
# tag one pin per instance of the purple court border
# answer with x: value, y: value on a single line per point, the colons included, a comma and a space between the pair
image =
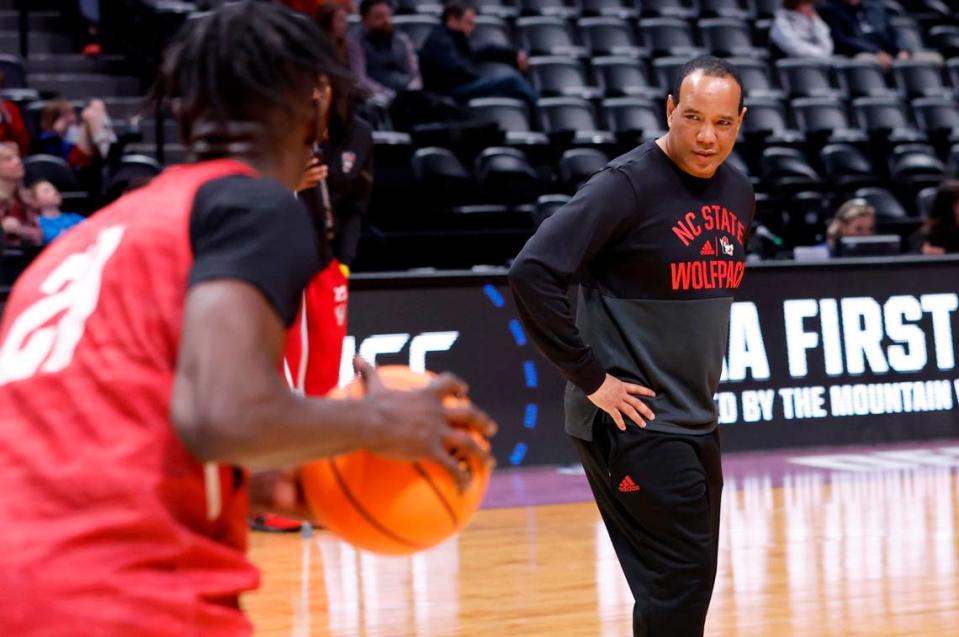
x: 532, y: 486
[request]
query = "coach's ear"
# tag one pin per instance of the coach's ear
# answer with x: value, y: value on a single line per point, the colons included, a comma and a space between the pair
x: 670, y: 108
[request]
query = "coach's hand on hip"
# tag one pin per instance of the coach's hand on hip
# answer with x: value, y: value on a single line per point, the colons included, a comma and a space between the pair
x: 618, y: 399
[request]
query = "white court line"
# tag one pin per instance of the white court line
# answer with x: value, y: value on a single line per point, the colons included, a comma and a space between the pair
x: 301, y: 619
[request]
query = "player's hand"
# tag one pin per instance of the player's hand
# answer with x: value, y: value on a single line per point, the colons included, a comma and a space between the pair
x: 278, y: 492
x: 928, y: 248
x: 424, y: 425
x: 314, y: 173
x: 618, y: 399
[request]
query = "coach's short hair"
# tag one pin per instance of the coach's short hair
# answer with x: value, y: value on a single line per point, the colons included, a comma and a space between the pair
x: 711, y: 67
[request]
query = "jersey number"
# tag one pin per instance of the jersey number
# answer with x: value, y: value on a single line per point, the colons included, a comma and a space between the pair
x: 37, y: 342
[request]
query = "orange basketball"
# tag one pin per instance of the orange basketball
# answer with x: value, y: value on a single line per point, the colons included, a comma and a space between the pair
x: 385, y: 506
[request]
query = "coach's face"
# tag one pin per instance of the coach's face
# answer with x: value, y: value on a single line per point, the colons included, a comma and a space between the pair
x: 704, y: 123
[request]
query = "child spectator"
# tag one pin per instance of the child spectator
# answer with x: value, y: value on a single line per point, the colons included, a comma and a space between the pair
x: 46, y: 198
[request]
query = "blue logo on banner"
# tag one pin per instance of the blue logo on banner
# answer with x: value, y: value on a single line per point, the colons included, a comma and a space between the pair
x: 529, y: 372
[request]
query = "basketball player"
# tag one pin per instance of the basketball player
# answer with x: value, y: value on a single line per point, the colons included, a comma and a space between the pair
x: 655, y: 240
x: 139, y: 362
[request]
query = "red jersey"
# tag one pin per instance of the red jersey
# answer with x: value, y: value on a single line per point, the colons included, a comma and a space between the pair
x: 108, y: 525
x: 314, y: 343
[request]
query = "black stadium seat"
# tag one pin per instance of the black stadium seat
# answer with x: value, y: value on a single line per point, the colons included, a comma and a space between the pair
x: 556, y: 8
x: 924, y: 199
x: 862, y: 78
x: 607, y: 35
x: 511, y: 116
x: 634, y: 117
x: 820, y: 114
x: 885, y: 203
x: 441, y: 177
x: 577, y: 165
x: 945, y: 39
x: 498, y: 8
x: 726, y: 9
x: 131, y: 171
x: 423, y: 7
x: 952, y: 161
x: 542, y: 35
x: 915, y: 166
x: 624, y: 9
x: 53, y: 169
x: 621, y: 75
x: 506, y: 176
x: 788, y: 170
x: 554, y: 75
x: 416, y: 27
x: 757, y: 80
x: 917, y: 78
x: 491, y: 31
x: 847, y: 167
x: 937, y: 115
x: 728, y: 37
x: 573, y: 118
x: 667, y: 72
x: 668, y: 36
x: 952, y: 66
x: 767, y: 119
x: 766, y: 8
x: 882, y: 115
x: 672, y: 8
x: 14, y: 73
x: 806, y: 78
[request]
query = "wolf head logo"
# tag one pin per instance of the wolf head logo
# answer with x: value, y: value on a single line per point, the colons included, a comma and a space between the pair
x: 727, y: 246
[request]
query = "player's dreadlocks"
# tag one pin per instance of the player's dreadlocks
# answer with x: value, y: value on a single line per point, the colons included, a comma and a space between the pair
x: 227, y: 68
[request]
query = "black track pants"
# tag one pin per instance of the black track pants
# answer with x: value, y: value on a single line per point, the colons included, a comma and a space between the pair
x: 659, y: 496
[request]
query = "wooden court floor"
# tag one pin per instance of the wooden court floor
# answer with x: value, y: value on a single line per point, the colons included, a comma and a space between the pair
x: 830, y: 555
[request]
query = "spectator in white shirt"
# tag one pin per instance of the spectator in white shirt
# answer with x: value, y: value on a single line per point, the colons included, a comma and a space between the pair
x: 798, y: 30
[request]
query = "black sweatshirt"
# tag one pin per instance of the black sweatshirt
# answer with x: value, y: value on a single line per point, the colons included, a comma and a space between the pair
x: 657, y: 253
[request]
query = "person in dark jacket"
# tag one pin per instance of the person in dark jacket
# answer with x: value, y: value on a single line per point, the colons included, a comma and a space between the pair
x: 449, y: 63
x: 657, y: 242
x: 863, y: 28
x: 338, y: 182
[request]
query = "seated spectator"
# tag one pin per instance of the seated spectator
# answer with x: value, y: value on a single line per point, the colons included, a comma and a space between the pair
x: 12, y: 127
x: 449, y: 63
x: 45, y: 198
x: 940, y: 233
x: 798, y: 31
x: 862, y: 28
x: 383, y: 60
x: 18, y: 218
x: 855, y: 218
x: 81, y: 142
